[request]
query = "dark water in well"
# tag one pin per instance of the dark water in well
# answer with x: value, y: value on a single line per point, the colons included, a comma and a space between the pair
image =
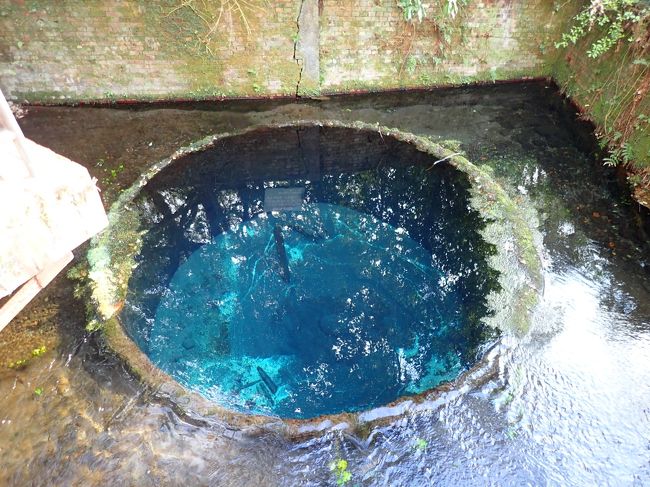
x: 568, y: 404
x: 302, y: 297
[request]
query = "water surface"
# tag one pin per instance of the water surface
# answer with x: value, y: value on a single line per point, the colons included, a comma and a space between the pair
x: 565, y: 405
x: 271, y: 293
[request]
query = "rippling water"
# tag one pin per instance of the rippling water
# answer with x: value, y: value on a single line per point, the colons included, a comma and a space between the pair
x: 568, y: 404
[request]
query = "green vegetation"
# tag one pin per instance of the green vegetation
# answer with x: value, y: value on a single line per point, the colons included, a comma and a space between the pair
x: 79, y: 274
x: 443, y: 26
x: 416, y: 9
x: 24, y: 362
x: 412, y: 9
x: 18, y: 364
x: 421, y: 444
x: 618, y: 82
x: 606, y: 69
x: 411, y: 64
x: 114, y: 172
x: 111, y: 173
x: 452, y: 7
x: 341, y: 472
x: 612, y: 17
x: 82, y: 292
x: 109, y: 182
x: 623, y: 154
x: 38, y: 391
x: 37, y: 352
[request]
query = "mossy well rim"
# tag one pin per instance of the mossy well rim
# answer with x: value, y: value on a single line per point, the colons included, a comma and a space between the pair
x: 508, y: 228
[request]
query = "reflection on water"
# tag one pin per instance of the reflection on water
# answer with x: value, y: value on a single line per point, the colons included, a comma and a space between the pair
x: 565, y: 405
x: 370, y: 286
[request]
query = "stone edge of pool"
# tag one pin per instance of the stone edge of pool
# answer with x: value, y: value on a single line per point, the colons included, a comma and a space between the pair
x: 510, y: 228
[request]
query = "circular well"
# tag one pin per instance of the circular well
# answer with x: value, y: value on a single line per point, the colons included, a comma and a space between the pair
x: 306, y: 270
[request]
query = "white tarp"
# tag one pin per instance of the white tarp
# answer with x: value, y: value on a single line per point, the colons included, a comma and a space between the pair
x: 45, y: 215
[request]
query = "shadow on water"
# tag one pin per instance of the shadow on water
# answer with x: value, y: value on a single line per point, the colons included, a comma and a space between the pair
x: 566, y: 405
x: 371, y: 286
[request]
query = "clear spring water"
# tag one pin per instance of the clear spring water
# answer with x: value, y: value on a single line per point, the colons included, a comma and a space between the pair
x: 565, y: 405
x: 343, y: 332
x: 346, y: 296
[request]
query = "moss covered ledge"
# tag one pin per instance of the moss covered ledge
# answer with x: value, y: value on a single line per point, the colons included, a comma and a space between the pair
x: 517, y: 261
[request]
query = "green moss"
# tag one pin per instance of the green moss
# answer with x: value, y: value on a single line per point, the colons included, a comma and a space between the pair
x: 111, y: 257
x: 40, y: 96
x: 25, y: 361
x: 452, y: 145
x: 307, y: 92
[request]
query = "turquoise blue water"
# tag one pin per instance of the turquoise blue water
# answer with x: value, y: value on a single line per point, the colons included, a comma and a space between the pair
x: 360, y: 320
x: 372, y: 288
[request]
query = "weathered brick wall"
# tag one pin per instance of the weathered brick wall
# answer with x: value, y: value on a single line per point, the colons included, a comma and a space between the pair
x: 367, y: 43
x: 90, y: 49
x: 72, y: 50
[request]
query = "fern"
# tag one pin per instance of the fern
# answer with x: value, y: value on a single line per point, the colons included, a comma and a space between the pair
x: 628, y: 153
x: 620, y: 155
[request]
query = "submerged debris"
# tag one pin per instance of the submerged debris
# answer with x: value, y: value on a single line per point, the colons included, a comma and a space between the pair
x: 282, y: 254
x: 268, y: 382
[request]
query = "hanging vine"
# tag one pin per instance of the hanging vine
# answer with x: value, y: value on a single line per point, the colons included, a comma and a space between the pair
x: 213, y: 13
x: 442, y: 21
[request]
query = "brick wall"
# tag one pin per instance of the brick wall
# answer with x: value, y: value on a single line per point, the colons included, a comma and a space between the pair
x: 74, y: 50
x: 366, y: 43
x: 90, y: 49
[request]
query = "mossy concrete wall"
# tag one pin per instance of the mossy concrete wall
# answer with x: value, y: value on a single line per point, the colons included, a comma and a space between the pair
x: 72, y: 50
x: 76, y: 50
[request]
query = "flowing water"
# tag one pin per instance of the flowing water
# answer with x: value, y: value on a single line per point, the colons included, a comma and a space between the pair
x: 567, y: 404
